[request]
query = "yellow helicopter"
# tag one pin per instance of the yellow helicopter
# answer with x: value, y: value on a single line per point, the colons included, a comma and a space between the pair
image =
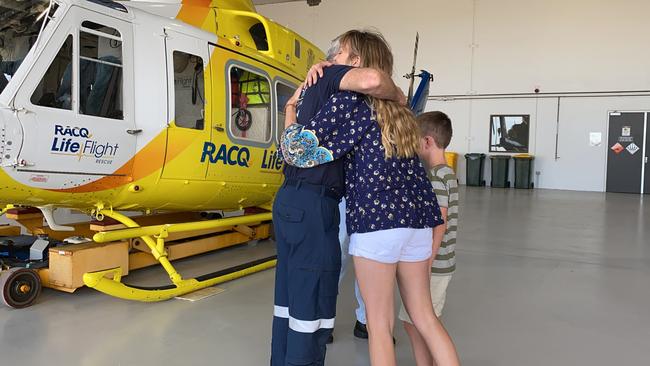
x: 108, y: 106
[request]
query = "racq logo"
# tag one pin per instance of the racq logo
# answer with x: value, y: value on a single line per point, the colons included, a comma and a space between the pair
x: 234, y: 155
x: 78, y: 141
x: 74, y: 131
x: 240, y: 156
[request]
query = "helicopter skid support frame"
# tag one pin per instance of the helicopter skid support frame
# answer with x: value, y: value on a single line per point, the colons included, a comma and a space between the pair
x: 154, y: 238
x: 114, y: 287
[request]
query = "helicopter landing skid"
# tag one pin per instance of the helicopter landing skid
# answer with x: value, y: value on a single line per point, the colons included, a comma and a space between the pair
x: 114, y: 287
x: 154, y: 238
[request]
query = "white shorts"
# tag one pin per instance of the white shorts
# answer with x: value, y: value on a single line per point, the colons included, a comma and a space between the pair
x: 438, y: 287
x: 393, y: 245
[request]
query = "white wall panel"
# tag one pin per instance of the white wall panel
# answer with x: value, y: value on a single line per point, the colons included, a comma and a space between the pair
x: 510, y: 46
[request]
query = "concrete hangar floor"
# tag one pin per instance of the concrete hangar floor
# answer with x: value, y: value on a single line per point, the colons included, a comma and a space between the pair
x: 544, y: 278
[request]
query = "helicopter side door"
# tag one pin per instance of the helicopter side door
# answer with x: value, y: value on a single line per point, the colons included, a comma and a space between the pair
x: 189, y: 87
x: 76, y: 104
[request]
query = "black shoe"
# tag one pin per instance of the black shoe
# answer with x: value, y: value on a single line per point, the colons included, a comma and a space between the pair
x: 360, y: 330
x: 330, y: 339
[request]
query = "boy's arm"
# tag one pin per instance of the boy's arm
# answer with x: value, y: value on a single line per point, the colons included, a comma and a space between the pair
x: 364, y: 80
x: 438, y: 235
x: 329, y: 135
x: 442, y: 196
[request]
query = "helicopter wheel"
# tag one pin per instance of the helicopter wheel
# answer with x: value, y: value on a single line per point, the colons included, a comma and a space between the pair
x: 20, y: 287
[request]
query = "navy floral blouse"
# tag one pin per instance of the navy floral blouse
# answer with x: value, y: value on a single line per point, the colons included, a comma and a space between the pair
x: 380, y: 193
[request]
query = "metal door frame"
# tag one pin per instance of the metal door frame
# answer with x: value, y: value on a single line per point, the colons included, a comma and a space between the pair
x: 643, y: 157
x: 645, y: 139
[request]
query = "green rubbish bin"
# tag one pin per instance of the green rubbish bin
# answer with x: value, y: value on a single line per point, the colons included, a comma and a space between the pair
x: 500, y: 171
x: 474, y: 169
x: 524, y: 171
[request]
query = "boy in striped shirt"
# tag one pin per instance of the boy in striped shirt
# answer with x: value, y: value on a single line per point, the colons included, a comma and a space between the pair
x: 436, y: 132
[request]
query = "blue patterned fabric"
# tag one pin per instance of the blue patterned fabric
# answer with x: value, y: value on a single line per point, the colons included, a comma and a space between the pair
x: 310, y: 102
x: 381, y: 193
x: 301, y: 147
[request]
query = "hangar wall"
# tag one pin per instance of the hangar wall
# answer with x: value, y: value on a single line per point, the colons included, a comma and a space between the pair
x: 476, y: 48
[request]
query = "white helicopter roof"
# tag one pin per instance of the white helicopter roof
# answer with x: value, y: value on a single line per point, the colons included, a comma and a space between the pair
x: 162, y: 13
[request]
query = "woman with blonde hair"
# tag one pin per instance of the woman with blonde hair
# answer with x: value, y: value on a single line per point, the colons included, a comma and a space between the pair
x: 391, y: 207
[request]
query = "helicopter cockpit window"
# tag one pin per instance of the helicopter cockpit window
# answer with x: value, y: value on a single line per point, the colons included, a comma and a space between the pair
x: 20, y: 23
x: 55, y: 88
x: 284, y: 93
x: 250, y: 105
x: 258, y: 33
x: 189, y: 91
x: 100, y: 71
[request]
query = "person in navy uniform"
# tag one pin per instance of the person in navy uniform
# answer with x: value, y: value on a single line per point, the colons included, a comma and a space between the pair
x: 306, y: 219
x: 391, y: 206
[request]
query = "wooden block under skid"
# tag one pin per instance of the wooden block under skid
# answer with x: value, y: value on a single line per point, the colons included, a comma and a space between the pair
x: 69, y: 263
x: 184, y: 249
x: 106, y: 225
x: 24, y: 213
x: 246, y: 230
x: 8, y: 230
x: 139, y: 244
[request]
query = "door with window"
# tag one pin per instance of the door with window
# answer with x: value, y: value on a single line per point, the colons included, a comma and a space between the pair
x: 188, y: 85
x: 76, y: 104
x: 627, y: 161
x: 243, y: 135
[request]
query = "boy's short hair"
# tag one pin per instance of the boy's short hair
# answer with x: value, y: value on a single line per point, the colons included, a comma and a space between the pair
x: 437, y: 125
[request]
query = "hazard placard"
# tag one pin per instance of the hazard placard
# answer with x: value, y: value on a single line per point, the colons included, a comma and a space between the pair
x: 617, y: 148
x: 632, y: 148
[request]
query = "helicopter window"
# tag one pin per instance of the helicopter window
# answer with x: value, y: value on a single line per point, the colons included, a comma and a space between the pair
x: 296, y: 48
x: 258, y: 33
x: 250, y: 105
x: 20, y: 24
x: 188, y: 91
x: 100, y: 28
x: 55, y: 89
x: 283, y: 92
x: 100, y: 71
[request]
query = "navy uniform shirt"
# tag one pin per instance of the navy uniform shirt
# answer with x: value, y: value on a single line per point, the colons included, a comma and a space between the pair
x: 311, y: 101
x: 381, y: 193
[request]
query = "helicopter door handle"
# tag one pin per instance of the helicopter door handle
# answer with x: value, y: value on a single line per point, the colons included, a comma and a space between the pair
x: 219, y: 128
x: 133, y: 132
x: 16, y: 110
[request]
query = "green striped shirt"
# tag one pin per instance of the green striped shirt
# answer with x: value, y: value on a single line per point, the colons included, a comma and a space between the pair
x: 445, y: 184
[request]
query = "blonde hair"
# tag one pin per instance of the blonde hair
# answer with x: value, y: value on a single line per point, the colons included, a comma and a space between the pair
x: 399, y: 130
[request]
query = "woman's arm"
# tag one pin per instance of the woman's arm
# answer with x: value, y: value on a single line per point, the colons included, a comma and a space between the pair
x: 334, y: 131
x: 364, y: 80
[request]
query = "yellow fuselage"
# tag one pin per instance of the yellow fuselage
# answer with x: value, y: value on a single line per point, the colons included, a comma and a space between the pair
x: 170, y: 167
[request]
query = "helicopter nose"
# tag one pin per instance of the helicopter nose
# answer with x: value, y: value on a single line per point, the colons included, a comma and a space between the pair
x: 10, y: 137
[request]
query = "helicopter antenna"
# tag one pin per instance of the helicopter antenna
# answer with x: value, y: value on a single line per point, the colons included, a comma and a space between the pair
x: 411, y: 76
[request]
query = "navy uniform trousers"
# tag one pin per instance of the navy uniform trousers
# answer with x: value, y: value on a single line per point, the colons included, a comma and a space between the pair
x: 306, y: 222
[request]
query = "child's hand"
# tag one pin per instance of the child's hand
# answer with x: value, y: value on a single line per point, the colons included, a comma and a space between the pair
x: 296, y: 95
x: 431, y: 259
x: 316, y: 72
